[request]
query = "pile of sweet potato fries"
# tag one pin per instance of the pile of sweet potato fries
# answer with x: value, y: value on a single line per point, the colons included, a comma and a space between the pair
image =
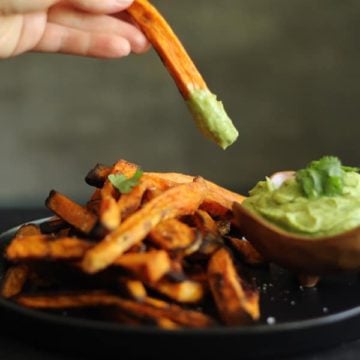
x: 165, y: 253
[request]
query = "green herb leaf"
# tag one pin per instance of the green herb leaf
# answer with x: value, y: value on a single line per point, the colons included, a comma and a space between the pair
x: 351, y: 169
x: 324, y: 177
x: 124, y: 184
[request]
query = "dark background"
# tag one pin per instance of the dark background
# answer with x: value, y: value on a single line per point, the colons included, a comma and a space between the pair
x: 286, y: 70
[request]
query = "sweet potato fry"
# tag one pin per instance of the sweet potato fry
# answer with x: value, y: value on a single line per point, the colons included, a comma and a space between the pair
x: 129, y: 203
x: 97, y: 176
x: 118, y: 315
x: 246, y: 251
x: 176, y: 272
x: 205, y: 223
x: 176, y: 313
x: 170, y: 49
x: 68, y: 301
x: 154, y: 310
x: 150, y: 266
x: 236, y: 306
x: 180, y: 200
x: 167, y: 238
x: 133, y: 288
x: 43, y: 247
x: 185, y: 292
x: 110, y: 212
x: 167, y: 324
x: 53, y: 225
x: 94, y: 204
x: 124, y: 167
x: 185, y: 74
x: 28, y: 229
x: 211, y: 239
x: 218, y: 200
x: 74, y: 214
x: 14, y: 280
x: 172, y: 235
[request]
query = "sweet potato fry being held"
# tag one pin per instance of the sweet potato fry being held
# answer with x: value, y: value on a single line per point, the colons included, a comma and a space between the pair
x: 214, y: 123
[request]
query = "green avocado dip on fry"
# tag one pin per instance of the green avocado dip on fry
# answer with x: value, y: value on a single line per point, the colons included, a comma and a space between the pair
x: 209, y: 113
x: 320, y: 200
x: 211, y: 118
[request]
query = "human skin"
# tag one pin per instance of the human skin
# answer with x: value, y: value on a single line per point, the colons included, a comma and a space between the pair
x: 94, y: 28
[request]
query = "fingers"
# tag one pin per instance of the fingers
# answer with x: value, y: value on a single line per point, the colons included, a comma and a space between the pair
x: 8, y: 7
x: 24, y: 37
x: 79, y: 27
x: 61, y: 39
x: 77, y: 19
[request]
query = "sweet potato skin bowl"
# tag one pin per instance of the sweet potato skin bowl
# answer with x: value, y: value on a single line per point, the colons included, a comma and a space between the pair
x: 302, y: 254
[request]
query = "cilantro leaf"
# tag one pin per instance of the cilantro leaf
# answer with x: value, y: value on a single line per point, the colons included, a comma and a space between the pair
x: 324, y: 177
x: 124, y: 184
x: 351, y: 168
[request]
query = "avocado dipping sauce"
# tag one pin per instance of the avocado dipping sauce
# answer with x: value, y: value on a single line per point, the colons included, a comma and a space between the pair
x: 288, y: 207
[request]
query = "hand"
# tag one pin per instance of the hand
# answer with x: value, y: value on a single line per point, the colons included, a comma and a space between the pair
x: 96, y: 28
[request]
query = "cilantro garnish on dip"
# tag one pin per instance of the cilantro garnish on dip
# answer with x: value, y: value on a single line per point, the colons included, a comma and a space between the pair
x: 321, y: 200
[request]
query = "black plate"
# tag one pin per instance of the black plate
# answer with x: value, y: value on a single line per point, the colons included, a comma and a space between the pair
x: 294, y: 319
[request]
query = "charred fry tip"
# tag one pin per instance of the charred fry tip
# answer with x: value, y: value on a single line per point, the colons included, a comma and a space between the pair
x: 97, y: 175
x: 48, y: 199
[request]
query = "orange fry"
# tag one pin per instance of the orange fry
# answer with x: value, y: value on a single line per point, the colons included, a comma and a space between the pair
x: 214, y: 123
x: 129, y: 203
x: 149, y: 309
x: 185, y: 292
x: 98, y: 175
x: 180, y: 200
x: 172, y: 235
x: 235, y: 305
x: 79, y: 217
x: 149, y: 266
x: 44, y: 247
x: 224, y: 198
x: 218, y: 200
x: 205, y: 223
x: 135, y: 289
x: 28, y: 229
x: 168, y: 46
x: 109, y: 212
x: 246, y: 251
x: 14, y: 280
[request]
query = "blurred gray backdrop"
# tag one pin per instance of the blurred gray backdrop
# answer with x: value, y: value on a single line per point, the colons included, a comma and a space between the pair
x: 286, y: 70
